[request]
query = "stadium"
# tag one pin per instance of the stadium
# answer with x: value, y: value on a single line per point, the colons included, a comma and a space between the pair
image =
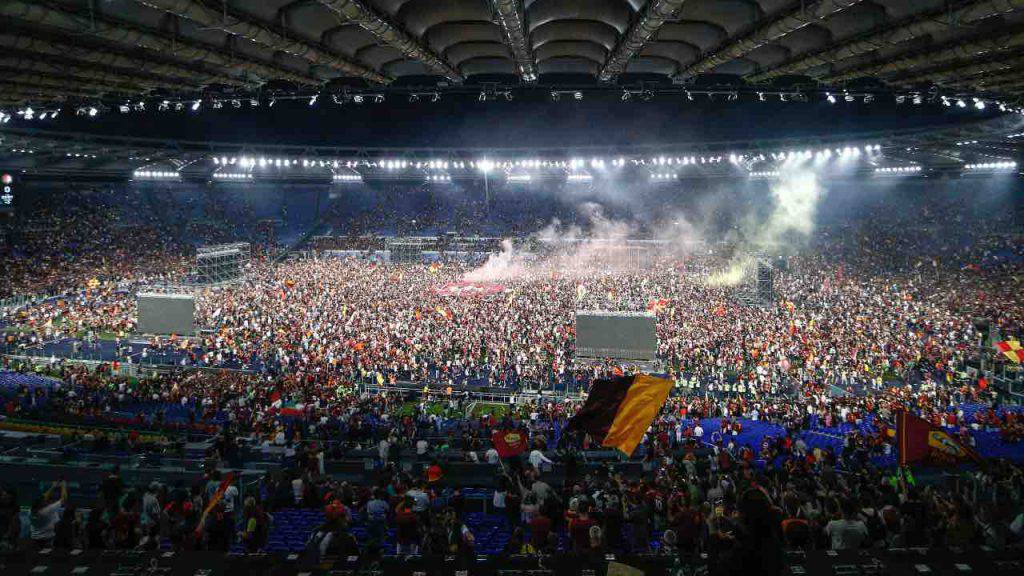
x: 509, y: 287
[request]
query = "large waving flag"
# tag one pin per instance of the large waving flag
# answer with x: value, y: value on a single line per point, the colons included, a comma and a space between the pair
x: 1011, y: 349
x: 918, y: 442
x: 214, y: 500
x: 619, y: 411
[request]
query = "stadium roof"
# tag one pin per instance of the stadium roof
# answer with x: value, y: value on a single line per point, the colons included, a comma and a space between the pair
x: 70, y: 50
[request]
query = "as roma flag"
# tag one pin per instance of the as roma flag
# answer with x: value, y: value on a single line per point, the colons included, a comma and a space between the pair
x: 919, y: 442
x: 620, y: 410
x: 509, y: 443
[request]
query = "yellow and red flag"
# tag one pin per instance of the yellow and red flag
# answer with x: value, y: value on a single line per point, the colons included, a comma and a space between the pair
x: 1011, y: 349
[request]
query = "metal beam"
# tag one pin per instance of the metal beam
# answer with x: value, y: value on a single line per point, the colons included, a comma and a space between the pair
x: 962, y: 71
x: 655, y: 14
x: 368, y: 19
x: 998, y: 82
x: 794, y: 17
x: 16, y: 74
x: 30, y: 91
x: 957, y: 50
x: 261, y: 34
x: 909, y: 28
x: 133, y: 35
x: 14, y: 64
x: 512, y: 19
x: 15, y: 69
x: 61, y: 63
x: 105, y: 58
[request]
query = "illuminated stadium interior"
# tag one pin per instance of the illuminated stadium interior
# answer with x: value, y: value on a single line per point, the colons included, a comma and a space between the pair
x: 509, y: 287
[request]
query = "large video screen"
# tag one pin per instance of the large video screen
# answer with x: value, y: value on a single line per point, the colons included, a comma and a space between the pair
x: 617, y: 335
x: 166, y: 314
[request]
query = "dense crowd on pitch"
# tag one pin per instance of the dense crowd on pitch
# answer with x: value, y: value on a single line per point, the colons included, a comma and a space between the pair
x: 868, y: 304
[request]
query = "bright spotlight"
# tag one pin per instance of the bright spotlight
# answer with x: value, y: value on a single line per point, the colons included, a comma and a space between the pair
x: 196, y: 104
x: 312, y: 101
x: 831, y: 99
x: 93, y: 111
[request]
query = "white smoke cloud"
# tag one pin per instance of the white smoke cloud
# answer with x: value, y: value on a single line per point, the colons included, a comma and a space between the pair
x: 599, y: 246
x: 795, y: 198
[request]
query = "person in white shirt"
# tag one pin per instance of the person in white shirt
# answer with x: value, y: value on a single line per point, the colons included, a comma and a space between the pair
x: 698, y: 431
x: 492, y: 456
x: 46, y: 514
x: 298, y: 490
x: 421, y: 447
x: 537, y: 457
x: 420, y: 499
x: 849, y: 532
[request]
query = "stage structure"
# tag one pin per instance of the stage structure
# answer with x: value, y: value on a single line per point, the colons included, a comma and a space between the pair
x: 221, y: 263
x: 628, y: 337
x: 166, y: 309
x: 758, y: 286
x: 765, y: 282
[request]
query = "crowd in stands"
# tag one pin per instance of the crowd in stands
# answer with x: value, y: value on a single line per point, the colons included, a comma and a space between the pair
x: 876, y: 315
x: 61, y: 246
x: 685, y: 502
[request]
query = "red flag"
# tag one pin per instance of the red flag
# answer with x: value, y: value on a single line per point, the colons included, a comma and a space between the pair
x: 509, y: 443
x: 658, y: 304
x: 919, y: 442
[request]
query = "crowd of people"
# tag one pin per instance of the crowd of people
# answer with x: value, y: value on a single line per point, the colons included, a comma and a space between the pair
x: 876, y: 314
x: 688, y: 501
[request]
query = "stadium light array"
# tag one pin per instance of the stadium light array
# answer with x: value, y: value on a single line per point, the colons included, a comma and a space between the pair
x: 156, y: 174
x: 439, y: 178
x: 348, y: 178
x: 579, y: 177
x: 1007, y: 165
x: 764, y: 174
x: 898, y: 170
x: 232, y: 176
x: 663, y: 176
x: 518, y: 177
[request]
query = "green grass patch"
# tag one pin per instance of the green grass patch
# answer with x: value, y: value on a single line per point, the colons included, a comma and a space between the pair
x: 411, y: 409
x: 498, y: 410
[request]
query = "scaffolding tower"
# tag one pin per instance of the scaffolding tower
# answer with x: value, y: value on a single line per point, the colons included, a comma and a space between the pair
x: 758, y: 287
x: 221, y: 263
